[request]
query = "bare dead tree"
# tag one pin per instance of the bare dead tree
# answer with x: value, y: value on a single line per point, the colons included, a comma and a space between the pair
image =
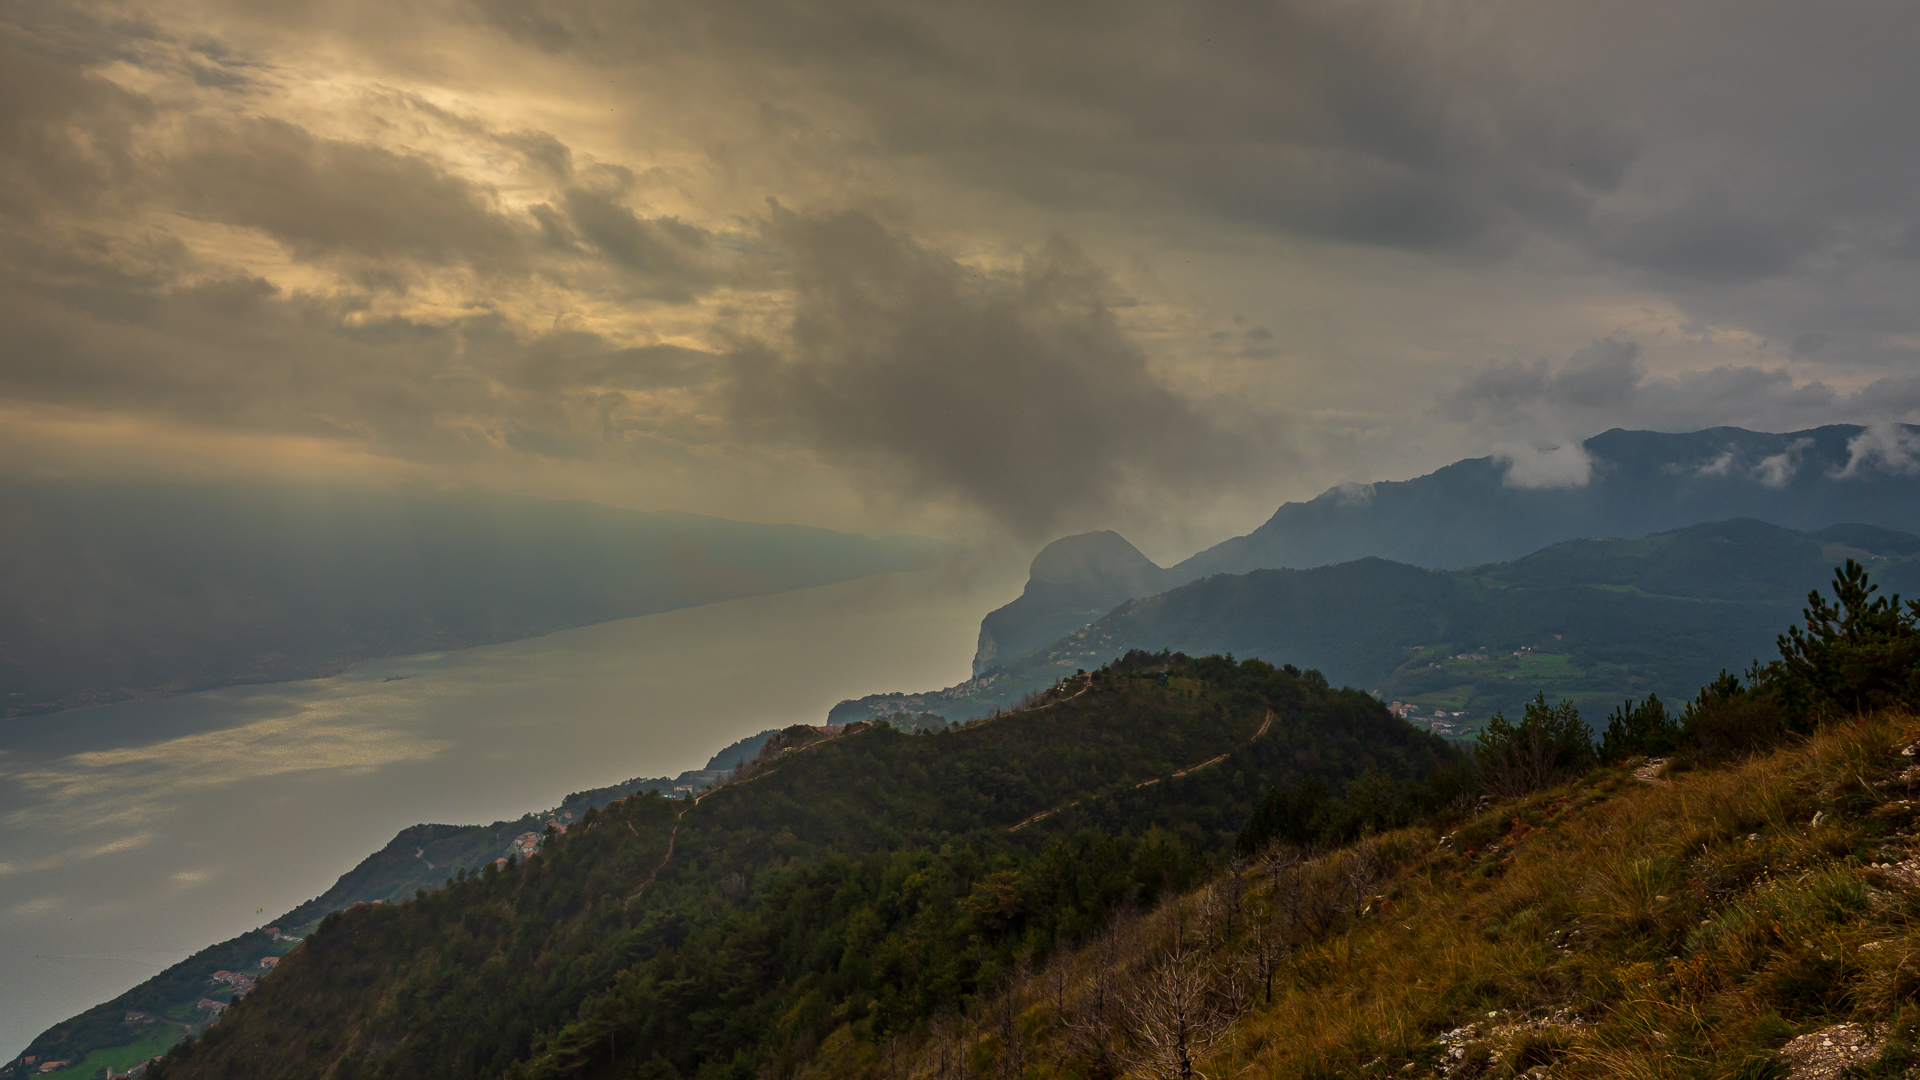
x: 1059, y: 980
x: 1013, y: 1042
x: 1291, y: 883
x: 1361, y: 876
x: 893, y: 1049
x: 1096, y: 1016
x: 1182, y: 1006
x: 1225, y: 902
x: 1275, y: 864
x: 943, y: 1041
x: 1278, y: 925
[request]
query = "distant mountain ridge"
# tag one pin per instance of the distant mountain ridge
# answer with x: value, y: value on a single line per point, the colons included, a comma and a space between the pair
x: 1617, y: 617
x: 1470, y: 513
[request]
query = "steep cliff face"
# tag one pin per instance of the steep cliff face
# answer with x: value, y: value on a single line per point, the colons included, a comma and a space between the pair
x: 1073, y: 581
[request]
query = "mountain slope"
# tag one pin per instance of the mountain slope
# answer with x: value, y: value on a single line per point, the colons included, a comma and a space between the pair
x: 110, y: 591
x: 867, y: 877
x: 1603, y: 620
x: 162, y: 1009
x: 1751, y: 920
x: 1471, y: 512
x: 1073, y: 581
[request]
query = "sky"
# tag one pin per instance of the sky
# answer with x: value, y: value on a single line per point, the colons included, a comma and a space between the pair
x: 990, y: 271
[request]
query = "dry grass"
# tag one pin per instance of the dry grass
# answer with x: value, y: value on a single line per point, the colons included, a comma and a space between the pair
x: 1691, y: 927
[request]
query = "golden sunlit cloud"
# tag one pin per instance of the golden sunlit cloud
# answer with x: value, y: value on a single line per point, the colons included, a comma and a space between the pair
x: 591, y: 248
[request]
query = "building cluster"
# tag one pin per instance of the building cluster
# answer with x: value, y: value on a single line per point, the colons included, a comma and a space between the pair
x: 240, y: 981
x: 1440, y: 721
x: 693, y: 781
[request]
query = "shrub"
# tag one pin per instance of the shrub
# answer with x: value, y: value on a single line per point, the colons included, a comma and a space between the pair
x: 1730, y: 719
x: 1640, y: 729
x: 1854, y: 656
x: 1550, y: 741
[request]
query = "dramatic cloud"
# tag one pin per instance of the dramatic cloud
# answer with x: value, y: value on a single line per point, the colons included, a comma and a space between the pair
x: 1888, y: 447
x: 1018, y: 392
x: 1605, y: 385
x: 1775, y: 470
x: 1566, y: 465
x: 322, y: 197
x: 1053, y: 266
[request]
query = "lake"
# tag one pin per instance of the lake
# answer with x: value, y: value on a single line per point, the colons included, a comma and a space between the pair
x: 135, y: 834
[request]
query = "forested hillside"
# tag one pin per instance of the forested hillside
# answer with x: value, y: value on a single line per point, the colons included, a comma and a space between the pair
x: 155, y: 1014
x: 866, y: 881
x: 1594, y: 620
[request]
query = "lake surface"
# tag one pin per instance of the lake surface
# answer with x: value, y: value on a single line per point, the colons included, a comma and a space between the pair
x: 136, y: 834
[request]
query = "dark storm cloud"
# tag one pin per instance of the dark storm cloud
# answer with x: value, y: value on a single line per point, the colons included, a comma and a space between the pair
x: 1711, y: 240
x: 1604, y: 374
x: 543, y: 150
x: 65, y: 136
x: 322, y: 197
x: 1019, y: 393
x: 1339, y: 123
x: 461, y: 228
x: 676, y: 259
x: 1605, y: 385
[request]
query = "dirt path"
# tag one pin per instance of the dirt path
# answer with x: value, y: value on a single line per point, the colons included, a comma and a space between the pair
x: 1087, y: 684
x: 651, y: 878
x: 1044, y: 814
x: 1202, y: 765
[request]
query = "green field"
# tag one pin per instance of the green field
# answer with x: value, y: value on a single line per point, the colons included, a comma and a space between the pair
x: 1434, y: 677
x: 120, y: 1058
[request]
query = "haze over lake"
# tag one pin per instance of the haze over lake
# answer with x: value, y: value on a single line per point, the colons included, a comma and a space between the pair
x: 137, y: 833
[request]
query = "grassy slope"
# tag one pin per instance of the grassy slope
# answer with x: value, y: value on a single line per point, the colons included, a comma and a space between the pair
x: 1692, y: 927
